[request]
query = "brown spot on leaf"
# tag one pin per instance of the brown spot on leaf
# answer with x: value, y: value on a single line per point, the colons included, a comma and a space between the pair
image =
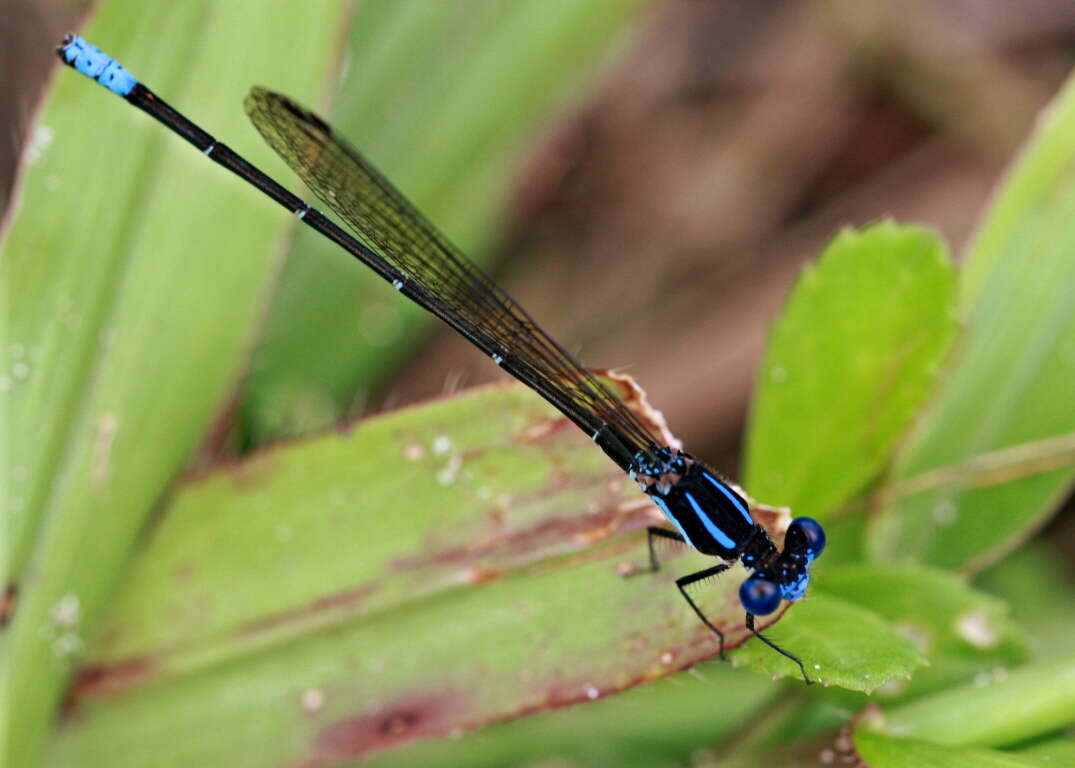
x: 105, y: 679
x: 613, y: 518
x: 7, y: 603
x: 337, y: 601
x: 334, y: 602
x: 476, y: 575
x: 416, y: 717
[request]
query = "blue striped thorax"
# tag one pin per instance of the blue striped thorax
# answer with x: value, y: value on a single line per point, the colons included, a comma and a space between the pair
x: 710, y: 515
x: 714, y: 518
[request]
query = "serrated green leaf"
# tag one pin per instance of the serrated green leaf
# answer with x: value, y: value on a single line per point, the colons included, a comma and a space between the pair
x: 424, y: 573
x: 850, y: 359
x: 880, y: 751
x: 960, y: 630
x: 441, y: 97
x: 839, y: 643
x: 1009, y: 386
x: 133, y: 275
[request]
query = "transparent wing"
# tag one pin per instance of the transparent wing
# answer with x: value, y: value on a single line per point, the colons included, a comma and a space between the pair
x: 436, y: 274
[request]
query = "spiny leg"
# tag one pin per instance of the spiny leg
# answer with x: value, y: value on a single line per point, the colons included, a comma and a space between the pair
x: 777, y: 648
x: 660, y: 533
x: 685, y: 581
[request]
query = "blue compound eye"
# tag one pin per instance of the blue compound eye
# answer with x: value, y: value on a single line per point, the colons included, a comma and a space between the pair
x: 809, y: 532
x: 759, y: 596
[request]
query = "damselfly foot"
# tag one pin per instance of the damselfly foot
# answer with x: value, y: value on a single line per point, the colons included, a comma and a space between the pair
x: 778, y: 649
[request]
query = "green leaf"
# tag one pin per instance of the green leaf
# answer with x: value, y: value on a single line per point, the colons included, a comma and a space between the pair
x: 1011, y: 707
x: 442, y: 97
x: 880, y: 751
x: 960, y: 630
x: 1008, y: 390
x: 850, y: 359
x: 132, y: 277
x: 1035, y: 581
x: 839, y: 643
x: 426, y: 572
x: 663, y: 724
x: 1051, y: 752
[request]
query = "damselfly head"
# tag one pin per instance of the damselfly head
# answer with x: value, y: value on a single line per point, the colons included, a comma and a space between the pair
x: 788, y: 575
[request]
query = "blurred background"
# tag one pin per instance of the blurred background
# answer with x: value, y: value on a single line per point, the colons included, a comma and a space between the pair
x: 655, y: 214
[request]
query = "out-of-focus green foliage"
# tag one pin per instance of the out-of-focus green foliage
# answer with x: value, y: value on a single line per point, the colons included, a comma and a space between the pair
x: 132, y: 276
x: 859, y: 342
x: 1009, y: 387
x: 442, y: 97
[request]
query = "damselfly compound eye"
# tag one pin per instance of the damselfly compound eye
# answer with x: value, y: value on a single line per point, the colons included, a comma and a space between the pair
x: 759, y: 596
x: 806, y: 533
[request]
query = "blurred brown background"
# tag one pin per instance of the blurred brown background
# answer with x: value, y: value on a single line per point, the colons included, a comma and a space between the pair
x: 658, y: 224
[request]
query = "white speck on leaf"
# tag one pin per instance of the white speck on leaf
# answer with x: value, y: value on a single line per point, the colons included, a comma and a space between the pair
x: 67, y: 612
x: 976, y: 628
x: 312, y: 700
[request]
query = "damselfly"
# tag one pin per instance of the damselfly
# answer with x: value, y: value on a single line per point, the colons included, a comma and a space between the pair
x: 390, y: 236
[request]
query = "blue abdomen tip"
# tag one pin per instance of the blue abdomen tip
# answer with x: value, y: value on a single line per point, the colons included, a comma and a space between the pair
x: 97, y: 65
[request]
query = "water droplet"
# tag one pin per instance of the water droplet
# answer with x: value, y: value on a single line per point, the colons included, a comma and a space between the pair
x: 20, y: 370
x: 892, y: 688
x: 312, y: 700
x: 920, y: 636
x: 67, y: 612
x: 67, y: 644
x: 592, y: 693
x: 39, y: 143
x: 778, y: 374
x: 442, y: 444
x: 977, y: 629
x: 447, y: 474
x: 413, y: 452
x: 945, y: 513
